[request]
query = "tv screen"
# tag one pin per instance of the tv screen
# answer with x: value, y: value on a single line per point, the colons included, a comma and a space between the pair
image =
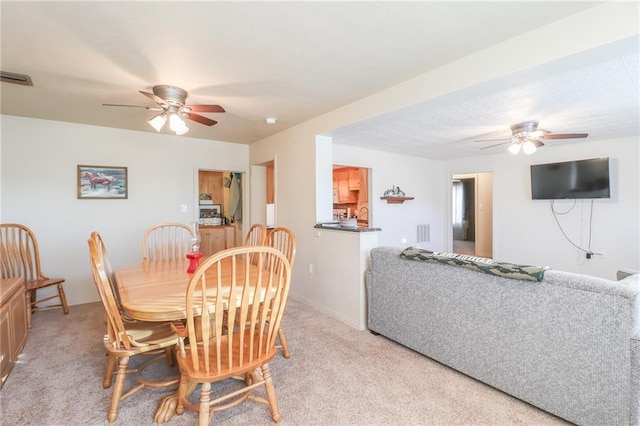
x: 571, y: 179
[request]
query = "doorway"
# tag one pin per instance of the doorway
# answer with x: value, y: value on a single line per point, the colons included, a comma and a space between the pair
x: 264, y: 193
x: 472, y: 214
x: 220, y: 200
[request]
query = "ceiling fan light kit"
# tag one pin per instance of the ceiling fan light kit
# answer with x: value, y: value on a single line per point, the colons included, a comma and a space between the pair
x: 528, y: 147
x: 157, y: 122
x: 514, y: 148
x: 172, y: 101
x: 177, y: 124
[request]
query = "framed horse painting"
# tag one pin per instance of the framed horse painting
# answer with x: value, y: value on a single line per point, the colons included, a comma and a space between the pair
x: 102, y: 182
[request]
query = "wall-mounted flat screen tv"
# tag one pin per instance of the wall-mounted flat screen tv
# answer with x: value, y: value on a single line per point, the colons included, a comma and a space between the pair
x: 571, y: 180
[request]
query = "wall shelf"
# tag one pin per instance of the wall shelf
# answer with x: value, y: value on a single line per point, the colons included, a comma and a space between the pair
x: 396, y: 200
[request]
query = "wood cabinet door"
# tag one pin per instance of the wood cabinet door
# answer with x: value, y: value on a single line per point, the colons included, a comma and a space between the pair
x: 354, y: 180
x: 19, y: 322
x: 6, y: 342
x: 212, y: 241
x: 13, y: 326
x: 343, y: 186
x: 230, y: 236
x: 215, y: 239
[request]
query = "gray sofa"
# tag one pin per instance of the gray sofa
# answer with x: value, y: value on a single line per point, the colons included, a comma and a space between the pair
x: 569, y: 344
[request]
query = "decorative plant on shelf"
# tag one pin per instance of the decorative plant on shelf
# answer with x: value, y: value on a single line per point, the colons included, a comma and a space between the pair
x: 395, y: 191
x: 395, y: 195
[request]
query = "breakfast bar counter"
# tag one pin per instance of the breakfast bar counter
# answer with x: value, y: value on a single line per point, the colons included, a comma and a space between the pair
x: 336, y: 226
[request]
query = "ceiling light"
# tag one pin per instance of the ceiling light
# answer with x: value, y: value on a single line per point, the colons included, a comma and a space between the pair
x: 157, y: 122
x: 176, y: 123
x: 514, y: 148
x: 182, y: 131
x: 271, y: 120
x: 529, y: 147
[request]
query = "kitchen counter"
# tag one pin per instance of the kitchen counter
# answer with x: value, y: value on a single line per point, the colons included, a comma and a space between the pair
x: 336, y: 226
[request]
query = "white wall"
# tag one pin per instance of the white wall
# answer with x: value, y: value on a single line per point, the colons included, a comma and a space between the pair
x: 39, y: 160
x: 525, y: 230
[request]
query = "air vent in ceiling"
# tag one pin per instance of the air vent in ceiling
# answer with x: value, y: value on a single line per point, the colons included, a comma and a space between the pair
x: 10, y: 77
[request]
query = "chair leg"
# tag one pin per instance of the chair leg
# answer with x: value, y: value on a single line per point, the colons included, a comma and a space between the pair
x: 108, y: 373
x: 63, y: 299
x: 283, y: 342
x: 271, y: 393
x: 205, y: 398
x: 121, y: 375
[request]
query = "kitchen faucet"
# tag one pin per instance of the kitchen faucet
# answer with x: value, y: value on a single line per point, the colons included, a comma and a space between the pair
x: 366, y: 209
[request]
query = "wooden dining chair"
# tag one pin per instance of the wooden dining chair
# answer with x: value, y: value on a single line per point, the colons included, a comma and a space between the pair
x: 229, y: 333
x: 165, y: 241
x: 256, y: 236
x: 283, y: 239
x: 126, y: 318
x: 124, y: 339
x: 102, y: 248
x: 21, y: 258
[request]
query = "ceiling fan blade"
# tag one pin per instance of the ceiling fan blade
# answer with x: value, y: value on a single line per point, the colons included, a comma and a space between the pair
x: 493, y: 140
x: 201, y: 119
x: 564, y: 136
x: 205, y: 108
x: 135, y: 106
x: 154, y: 98
x: 537, y: 142
x: 498, y: 144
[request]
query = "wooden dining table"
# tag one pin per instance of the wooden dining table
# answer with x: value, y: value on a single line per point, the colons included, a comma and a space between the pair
x: 155, y: 290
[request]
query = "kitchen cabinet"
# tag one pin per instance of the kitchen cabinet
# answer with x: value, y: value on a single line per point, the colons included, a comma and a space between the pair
x: 211, y: 183
x: 345, y: 195
x: 354, y: 180
x: 13, y: 324
x: 216, y: 238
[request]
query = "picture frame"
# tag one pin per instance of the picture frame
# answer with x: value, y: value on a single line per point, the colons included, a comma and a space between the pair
x: 102, y: 182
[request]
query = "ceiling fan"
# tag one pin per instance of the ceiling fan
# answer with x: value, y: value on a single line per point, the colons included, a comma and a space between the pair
x: 172, y: 107
x: 528, y: 137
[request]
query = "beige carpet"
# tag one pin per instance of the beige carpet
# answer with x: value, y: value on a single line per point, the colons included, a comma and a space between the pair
x: 336, y: 376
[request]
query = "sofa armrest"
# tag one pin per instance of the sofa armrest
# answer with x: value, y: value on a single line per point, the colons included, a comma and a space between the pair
x: 635, y: 379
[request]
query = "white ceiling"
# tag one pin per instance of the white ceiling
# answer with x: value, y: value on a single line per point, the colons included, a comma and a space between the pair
x: 298, y: 60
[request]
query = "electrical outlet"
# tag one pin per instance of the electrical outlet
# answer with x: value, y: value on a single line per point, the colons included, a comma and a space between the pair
x: 183, y: 208
x: 311, y: 268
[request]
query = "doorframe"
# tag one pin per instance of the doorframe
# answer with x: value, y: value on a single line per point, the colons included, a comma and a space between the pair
x: 478, y: 208
x: 244, y: 188
x: 258, y: 199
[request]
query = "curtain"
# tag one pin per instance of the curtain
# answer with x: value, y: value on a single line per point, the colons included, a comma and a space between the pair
x: 458, y: 210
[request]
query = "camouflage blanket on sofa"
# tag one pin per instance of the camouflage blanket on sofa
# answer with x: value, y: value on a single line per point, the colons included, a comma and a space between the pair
x: 479, y: 264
